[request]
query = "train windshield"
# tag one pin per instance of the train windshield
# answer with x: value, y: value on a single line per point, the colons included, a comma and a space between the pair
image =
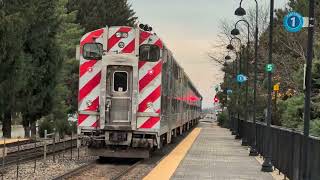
x: 92, y: 51
x: 148, y: 52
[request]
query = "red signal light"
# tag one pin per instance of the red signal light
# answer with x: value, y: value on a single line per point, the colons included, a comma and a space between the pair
x: 216, y: 99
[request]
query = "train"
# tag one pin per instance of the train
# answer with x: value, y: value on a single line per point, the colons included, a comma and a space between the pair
x: 133, y: 95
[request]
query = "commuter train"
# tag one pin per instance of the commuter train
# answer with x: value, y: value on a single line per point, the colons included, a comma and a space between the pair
x: 133, y: 95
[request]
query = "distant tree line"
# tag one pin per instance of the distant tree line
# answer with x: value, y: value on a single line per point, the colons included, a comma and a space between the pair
x: 38, y: 70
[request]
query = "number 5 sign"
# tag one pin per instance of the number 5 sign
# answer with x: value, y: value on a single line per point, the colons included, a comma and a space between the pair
x: 293, y: 22
x: 269, y: 68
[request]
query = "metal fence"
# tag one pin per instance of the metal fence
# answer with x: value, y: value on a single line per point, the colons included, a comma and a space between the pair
x: 286, y: 147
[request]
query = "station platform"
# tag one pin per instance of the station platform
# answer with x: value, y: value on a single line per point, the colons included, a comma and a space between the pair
x: 209, y: 152
x: 13, y: 140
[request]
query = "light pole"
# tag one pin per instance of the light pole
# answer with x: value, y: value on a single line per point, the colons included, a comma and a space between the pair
x: 267, y: 164
x: 230, y: 47
x: 241, y: 12
x: 308, y: 85
x: 236, y: 32
x: 227, y: 88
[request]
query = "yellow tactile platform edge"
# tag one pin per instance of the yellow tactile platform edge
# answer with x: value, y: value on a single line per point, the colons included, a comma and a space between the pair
x: 12, y: 140
x: 166, y: 168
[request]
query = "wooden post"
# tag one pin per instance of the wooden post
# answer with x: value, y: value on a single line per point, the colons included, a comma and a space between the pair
x: 78, y: 146
x: 45, y: 147
x: 35, y: 159
x: 71, y: 145
x: 3, y: 157
x: 54, y: 146
x: 18, y: 159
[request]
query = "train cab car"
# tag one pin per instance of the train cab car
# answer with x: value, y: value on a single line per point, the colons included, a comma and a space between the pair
x: 133, y: 95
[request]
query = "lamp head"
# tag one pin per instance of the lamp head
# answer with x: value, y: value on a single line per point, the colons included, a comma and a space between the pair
x: 240, y: 11
x: 235, y: 32
x: 230, y: 47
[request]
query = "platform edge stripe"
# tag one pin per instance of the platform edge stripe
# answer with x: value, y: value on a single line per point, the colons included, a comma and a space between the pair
x: 166, y: 168
x: 92, y: 83
x: 94, y: 94
x: 149, y: 89
x: 151, y: 98
x: 156, y: 70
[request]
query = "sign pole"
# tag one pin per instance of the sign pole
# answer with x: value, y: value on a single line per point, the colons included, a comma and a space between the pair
x: 306, y: 174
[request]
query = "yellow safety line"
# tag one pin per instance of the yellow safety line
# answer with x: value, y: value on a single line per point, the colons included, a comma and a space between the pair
x: 166, y: 168
x: 8, y: 141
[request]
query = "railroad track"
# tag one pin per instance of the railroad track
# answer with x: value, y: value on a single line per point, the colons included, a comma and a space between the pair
x: 93, y: 165
x: 71, y: 173
x: 28, y: 154
x: 126, y: 171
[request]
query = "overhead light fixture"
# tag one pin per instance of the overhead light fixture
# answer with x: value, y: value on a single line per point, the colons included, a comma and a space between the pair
x: 240, y: 11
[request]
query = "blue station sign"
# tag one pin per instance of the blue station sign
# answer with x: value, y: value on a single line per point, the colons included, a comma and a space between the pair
x: 293, y: 22
x: 241, y: 78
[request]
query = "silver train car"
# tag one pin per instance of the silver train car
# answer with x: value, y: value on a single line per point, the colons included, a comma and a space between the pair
x: 133, y: 95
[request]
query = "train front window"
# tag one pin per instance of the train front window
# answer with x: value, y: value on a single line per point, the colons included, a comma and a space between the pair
x: 149, y: 52
x: 92, y: 51
x: 120, y: 81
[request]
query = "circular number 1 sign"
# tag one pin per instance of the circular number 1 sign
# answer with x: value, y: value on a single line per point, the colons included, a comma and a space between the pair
x: 293, y: 22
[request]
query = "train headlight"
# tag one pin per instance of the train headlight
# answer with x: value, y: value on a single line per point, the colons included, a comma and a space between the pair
x: 118, y: 34
x: 121, y: 35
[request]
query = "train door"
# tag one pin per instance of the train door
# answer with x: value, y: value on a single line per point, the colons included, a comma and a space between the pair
x: 118, y: 95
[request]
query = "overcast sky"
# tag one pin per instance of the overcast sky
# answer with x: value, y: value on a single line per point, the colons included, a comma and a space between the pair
x: 190, y: 28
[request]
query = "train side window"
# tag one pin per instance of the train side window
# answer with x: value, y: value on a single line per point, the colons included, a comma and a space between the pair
x: 92, y: 51
x: 149, y: 52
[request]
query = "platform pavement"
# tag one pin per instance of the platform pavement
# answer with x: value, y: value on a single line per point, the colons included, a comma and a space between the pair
x: 215, y: 154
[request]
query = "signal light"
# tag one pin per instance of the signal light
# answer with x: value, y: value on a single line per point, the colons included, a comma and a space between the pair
x: 145, y: 27
x: 216, y: 99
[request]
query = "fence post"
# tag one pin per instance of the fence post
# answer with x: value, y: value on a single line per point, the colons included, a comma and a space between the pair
x: 64, y: 148
x: 3, y: 157
x: 78, y: 146
x: 35, y: 150
x: 71, y: 145
x: 45, y: 147
x: 18, y: 159
x: 54, y: 146
x: 58, y: 135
